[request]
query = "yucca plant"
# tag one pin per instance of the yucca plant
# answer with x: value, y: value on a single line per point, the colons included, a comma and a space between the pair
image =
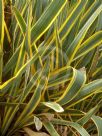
x: 50, y: 67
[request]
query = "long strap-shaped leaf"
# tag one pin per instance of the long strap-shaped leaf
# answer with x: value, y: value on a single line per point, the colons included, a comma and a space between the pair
x: 89, y: 12
x: 11, y: 62
x: 91, y: 43
x: 71, y: 19
x: 20, y: 20
x: 46, y: 19
x: 31, y: 84
x: 99, y: 67
x: 1, y: 36
x: 60, y: 76
x: 77, y: 81
x: 71, y: 51
x: 89, y: 114
x: 50, y: 128
x: 98, y: 122
x: 86, y: 91
x: 74, y: 125
x: 20, y: 60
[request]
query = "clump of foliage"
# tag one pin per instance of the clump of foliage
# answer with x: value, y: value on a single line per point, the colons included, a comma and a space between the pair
x: 50, y: 67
